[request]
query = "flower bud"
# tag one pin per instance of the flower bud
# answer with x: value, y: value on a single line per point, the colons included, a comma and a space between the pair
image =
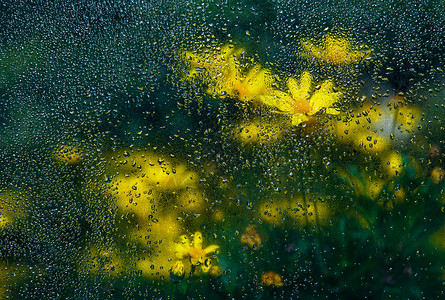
x: 177, y: 272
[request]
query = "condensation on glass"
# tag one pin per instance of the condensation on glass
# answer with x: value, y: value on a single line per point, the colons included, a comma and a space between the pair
x: 234, y: 149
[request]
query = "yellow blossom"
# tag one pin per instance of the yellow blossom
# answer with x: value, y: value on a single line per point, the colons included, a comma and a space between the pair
x: 177, y: 272
x: 392, y: 163
x: 192, y: 249
x: 301, y: 103
x: 312, y: 213
x: 251, y: 238
x: 216, y: 61
x: 335, y: 50
x: 437, y: 174
x: 159, y: 237
x: 371, y: 128
x: 273, y: 211
x: 272, y: 279
x: 369, y: 141
x: 256, y: 82
x: 221, y: 70
x: 157, y: 170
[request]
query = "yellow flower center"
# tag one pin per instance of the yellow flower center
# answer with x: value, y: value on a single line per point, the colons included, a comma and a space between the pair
x: 302, y: 107
x: 197, y: 254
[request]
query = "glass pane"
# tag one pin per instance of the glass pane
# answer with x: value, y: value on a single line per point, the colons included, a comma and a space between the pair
x: 222, y: 149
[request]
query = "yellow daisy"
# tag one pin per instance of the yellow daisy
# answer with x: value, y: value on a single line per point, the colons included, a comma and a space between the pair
x: 300, y: 103
x: 335, y: 50
x: 222, y: 71
x: 192, y: 249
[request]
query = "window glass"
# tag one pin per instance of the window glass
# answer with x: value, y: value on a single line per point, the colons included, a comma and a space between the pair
x: 222, y: 149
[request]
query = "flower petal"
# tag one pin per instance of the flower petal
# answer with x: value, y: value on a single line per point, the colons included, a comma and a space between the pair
x: 197, y: 240
x: 211, y: 249
x: 299, y: 118
x: 300, y: 89
x: 324, y: 97
x: 181, y: 251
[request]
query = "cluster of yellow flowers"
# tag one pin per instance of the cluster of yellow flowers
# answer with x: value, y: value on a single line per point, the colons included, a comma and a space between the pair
x: 372, y: 127
x: 222, y: 70
x: 157, y: 198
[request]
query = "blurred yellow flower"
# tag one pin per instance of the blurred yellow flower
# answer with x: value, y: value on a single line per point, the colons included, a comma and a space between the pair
x: 368, y: 141
x: 407, y: 117
x: 251, y: 238
x: 155, y: 170
x: 437, y: 174
x: 273, y: 211
x: 214, y: 62
x: 311, y: 213
x: 192, y: 250
x: 372, y: 127
x: 392, y: 163
x: 134, y: 194
x: 272, y: 279
x: 192, y: 201
x: 158, y: 237
x: 335, y: 50
x: 301, y: 102
x: 221, y: 70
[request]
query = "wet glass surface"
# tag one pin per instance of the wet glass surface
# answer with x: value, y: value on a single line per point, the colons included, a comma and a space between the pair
x: 222, y: 149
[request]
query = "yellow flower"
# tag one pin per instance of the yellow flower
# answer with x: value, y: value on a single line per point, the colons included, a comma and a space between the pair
x: 437, y: 174
x: 256, y: 82
x: 392, y: 163
x: 177, y: 272
x: 251, y: 238
x: 272, y: 279
x: 335, y: 50
x: 300, y: 103
x: 311, y: 213
x: 192, y: 200
x: 371, y: 142
x: 273, y: 211
x: 192, y: 249
x: 373, y: 128
x: 217, y: 61
x: 222, y: 72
